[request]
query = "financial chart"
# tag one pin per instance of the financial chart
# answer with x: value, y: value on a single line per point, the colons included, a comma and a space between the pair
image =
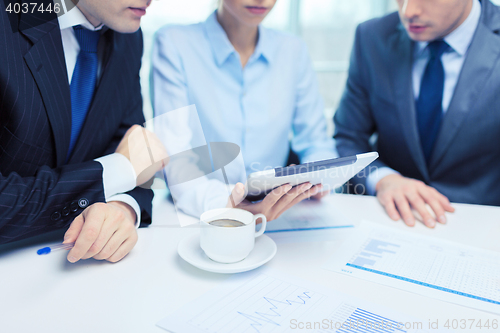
x: 271, y: 303
x: 261, y: 305
x: 426, y: 262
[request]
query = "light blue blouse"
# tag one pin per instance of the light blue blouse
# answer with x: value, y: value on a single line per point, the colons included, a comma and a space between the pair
x: 275, y: 97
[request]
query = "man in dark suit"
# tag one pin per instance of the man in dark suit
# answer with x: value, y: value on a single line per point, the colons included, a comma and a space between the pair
x: 423, y: 90
x: 71, y: 152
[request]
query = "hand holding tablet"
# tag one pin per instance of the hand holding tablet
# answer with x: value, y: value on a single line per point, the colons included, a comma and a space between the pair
x: 274, y: 191
x: 275, y: 202
x: 331, y: 174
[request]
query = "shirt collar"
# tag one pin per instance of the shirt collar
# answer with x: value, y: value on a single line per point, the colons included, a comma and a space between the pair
x: 223, y: 48
x: 264, y: 48
x: 460, y: 38
x: 75, y: 17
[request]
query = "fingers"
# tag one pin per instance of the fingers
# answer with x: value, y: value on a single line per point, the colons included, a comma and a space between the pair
x: 237, y: 195
x: 438, y: 202
x: 404, y: 210
x: 102, y: 231
x: 74, y: 230
x: 399, y: 194
x: 109, y: 227
x: 419, y: 205
x: 388, y: 202
x: 272, y: 198
x: 307, y: 192
x: 445, y: 203
x: 94, y: 217
x: 436, y: 207
x: 123, y: 250
x: 294, y: 196
x: 120, y: 243
x: 145, y: 152
x: 156, y: 147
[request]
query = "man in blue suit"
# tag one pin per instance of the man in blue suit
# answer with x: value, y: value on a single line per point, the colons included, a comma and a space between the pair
x: 424, y: 91
x: 71, y: 148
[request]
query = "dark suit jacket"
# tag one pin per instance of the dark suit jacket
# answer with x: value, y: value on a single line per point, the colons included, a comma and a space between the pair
x: 465, y: 164
x: 39, y: 192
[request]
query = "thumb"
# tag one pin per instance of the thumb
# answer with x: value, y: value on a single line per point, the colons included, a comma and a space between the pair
x: 74, y: 230
x: 237, y: 196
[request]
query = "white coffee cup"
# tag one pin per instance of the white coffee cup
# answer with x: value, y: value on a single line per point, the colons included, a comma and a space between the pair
x: 229, y: 244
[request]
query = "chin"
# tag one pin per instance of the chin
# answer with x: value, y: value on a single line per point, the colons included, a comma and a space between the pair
x: 131, y: 29
x: 127, y: 26
x: 253, y: 22
x: 421, y: 37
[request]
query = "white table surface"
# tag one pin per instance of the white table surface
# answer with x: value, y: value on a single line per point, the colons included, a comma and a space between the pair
x: 48, y: 294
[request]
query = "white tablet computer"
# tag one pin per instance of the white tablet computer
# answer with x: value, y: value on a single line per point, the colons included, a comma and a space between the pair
x: 331, y: 174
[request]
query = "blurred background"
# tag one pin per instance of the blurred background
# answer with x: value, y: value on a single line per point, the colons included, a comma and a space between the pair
x: 327, y: 26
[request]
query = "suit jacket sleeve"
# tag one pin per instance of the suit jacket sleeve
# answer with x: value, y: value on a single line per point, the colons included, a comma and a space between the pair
x: 354, y: 122
x: 48, y: 201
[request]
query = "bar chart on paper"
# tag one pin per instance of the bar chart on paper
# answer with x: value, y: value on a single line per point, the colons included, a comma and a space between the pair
x: 437, y: 268
x: 272, y: 302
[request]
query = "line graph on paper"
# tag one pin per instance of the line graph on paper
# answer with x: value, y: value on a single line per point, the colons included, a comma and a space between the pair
x: 267, y: 305
x: 426, y: 262
x: 274, y: 302
x: 264, y: 304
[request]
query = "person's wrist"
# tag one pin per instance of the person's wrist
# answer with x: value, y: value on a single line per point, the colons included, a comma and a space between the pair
x: 387, y: 179
x: 127, y: 210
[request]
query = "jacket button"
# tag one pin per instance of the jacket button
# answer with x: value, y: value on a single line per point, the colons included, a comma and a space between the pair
x: 83, y: 203
x: 73, y: 207
x: 55, y: 216
x: 65, y: 211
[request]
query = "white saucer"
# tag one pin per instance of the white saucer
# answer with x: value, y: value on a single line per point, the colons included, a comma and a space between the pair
x: 189, y: 249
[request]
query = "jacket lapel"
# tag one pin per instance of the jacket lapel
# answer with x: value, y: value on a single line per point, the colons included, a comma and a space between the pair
x: 45, y: 59
x: 402, y: 53
x: 484, y: 54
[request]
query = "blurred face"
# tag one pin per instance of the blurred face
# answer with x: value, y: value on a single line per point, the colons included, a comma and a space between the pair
x: 427, y: 20
x: 248, y: 12
x: 120, y: 15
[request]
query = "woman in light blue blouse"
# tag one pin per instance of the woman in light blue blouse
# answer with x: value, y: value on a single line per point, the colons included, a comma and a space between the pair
x: 252, y: 86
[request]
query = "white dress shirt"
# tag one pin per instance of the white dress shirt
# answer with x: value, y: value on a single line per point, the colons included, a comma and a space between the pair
x: 453, y: 59
x: 118, y: 173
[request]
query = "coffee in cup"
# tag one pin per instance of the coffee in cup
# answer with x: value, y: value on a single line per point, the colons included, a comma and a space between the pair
x: 228, y: 235
x: 227, y: 223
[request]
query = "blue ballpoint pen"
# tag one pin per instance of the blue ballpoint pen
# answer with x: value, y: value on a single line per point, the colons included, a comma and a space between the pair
x: 49, y: 249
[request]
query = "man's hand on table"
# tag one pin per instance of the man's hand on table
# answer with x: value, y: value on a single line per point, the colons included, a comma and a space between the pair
x: 399, y: 194
x: 103, y: 231
x: 276, y: 202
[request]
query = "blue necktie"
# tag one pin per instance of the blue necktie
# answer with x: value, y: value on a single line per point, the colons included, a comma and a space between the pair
x: 430, y: 100
x: 83, y: 81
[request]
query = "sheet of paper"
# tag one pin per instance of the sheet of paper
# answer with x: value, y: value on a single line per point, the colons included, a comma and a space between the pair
x: 421, y: 264
x: 308, y: 215
x: 266, y: 301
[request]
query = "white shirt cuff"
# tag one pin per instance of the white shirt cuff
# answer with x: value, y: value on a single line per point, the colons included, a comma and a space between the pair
x: 118, y: 175
x: 129, y: 200
x: 375, y: 176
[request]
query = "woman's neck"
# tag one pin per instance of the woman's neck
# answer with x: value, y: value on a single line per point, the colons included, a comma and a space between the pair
x: 242, y: 37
